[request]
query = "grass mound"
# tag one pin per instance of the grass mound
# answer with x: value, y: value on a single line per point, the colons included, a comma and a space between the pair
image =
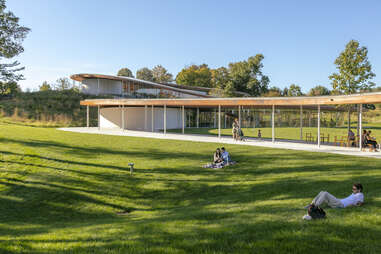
x: 72, y: 193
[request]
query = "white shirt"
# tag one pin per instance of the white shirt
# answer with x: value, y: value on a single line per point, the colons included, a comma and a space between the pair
x: 353, y: 199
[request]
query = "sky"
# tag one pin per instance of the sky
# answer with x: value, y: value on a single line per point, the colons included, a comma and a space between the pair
x: 300, y: 40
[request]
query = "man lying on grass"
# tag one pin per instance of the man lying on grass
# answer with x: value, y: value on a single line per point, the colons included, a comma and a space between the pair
x: 355, y: 199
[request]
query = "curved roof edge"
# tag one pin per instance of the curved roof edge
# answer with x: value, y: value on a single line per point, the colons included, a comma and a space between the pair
x: 361, y: 98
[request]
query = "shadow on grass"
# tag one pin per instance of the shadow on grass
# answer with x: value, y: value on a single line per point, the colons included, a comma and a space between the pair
x: 186, y: 218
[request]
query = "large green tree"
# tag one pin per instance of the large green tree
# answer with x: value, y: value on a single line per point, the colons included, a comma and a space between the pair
x: 161, y: 75
x: 45, y: 86
x: 247, y: 76
x: 63, y: 84
x: 273, y: 92
x: 294, y: 90
x: 195, y: 75
x: 11, y: 36
x: 125, y: 72
x: 222, y: 83
x: 319, y: 91
x: 144, y: 74
x: 354, y: 70
x: 9, y: 89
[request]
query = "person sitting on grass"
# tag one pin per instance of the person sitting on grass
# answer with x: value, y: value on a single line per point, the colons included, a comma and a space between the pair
x: 217, y: 157
x: 355, y: 199
x: 225, y: 155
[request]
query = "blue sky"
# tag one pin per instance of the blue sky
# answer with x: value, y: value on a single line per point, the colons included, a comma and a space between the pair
x: 299, y: 39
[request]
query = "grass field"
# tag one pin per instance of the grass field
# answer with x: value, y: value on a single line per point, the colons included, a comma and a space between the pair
x: 285, y: 132
x: 64, y: 192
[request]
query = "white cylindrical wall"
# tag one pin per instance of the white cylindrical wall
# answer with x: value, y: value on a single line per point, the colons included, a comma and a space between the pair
x: 134, y: 118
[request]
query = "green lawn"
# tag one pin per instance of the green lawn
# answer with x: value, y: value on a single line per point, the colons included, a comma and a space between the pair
x: 63, y: 192
x: 284, y: 132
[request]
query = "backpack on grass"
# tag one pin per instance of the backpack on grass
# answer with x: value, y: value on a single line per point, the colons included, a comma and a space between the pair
x: 316, y: 212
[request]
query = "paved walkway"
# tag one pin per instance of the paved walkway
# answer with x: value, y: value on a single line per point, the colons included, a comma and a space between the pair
x: 294, y: 145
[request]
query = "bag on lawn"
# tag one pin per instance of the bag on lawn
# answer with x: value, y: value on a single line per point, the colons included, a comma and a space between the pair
x: 316, y: 212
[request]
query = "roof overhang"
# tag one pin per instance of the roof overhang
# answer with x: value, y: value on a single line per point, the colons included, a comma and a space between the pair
x: 362, y: 98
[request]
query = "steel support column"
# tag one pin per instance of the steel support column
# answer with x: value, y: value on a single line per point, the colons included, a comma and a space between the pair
x: 360, y: 125
x: 165, y: 119
x: 183, y: 118
x: 99, y: 117
x: 152, y: 119
x: 198, y: 118
x: 123, y: 118
x: 219, y: 121
x: 87, y: 116
x: 301, y: 122
x: 145, y: 117
x: 273, y: 124
x: 318, y: 135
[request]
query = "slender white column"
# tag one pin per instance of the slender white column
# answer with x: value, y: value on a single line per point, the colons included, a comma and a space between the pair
x: 165, y: 119
x: 219, y: 121
x: 98, y: 86
x: 214, y: 118
x: 123, y: 116
x: 183, y: 118
x: 198, y: 118
x: 360, y: 125
x: 145, y: 117
x: 99, y: 117
x: 301, y: 122
x: 225, y: 118
x: 273, y: 124
x: 318, y: 126
x: 358, y: 119
x: 87, y: 116
x: 239, y: 116
x: 152, y: 118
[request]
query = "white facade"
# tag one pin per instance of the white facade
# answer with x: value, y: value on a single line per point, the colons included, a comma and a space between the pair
x: 136, y: 118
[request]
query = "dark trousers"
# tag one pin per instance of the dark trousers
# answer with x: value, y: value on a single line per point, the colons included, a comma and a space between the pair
x: 372, y: 142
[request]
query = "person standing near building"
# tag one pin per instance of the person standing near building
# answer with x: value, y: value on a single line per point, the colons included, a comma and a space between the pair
x: 235, y: 129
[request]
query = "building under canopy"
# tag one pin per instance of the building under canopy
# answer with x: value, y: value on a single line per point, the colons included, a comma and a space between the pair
x: 161, y: 114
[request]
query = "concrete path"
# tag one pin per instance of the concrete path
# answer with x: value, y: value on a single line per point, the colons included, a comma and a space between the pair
x: 294, y: 145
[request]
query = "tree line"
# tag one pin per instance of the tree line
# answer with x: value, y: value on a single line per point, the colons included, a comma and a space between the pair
x: 354, y: 75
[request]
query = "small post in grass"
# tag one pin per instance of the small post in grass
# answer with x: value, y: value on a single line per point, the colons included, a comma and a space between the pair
x: 131, y: 165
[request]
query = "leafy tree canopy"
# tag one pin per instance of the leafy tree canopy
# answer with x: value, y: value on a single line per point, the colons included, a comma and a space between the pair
x: 319, y: 91
x: 161, y: 75
x: 144, y: 74
x: 11, y: 36
x: 273, y: 92
x: 294, y: 90
x: 63, y: 84
x: 354, y: 70
x: 9, y: 89
x: 195, y: 75
x: 125, y: 72
x: 45, y: 86
x: 222, y: 83
x: 247, y: 76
